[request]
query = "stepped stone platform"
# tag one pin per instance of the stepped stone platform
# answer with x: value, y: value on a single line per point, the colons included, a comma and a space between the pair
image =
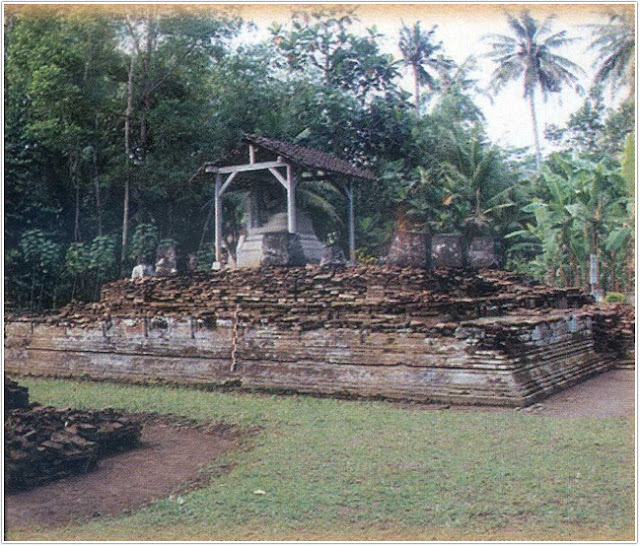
x: 456, y: 336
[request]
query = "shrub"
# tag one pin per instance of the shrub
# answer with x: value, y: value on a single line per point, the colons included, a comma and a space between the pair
x: 615, y: 297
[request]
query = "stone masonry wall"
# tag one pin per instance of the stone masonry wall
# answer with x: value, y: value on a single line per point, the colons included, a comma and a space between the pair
x: 472, y: 337
x: 467, y: 366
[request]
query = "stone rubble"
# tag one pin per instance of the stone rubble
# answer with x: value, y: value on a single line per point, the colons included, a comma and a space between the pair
x: 43, y: 443
x: 15, y: 396
x: 449, y: 335
x: 372, y: 297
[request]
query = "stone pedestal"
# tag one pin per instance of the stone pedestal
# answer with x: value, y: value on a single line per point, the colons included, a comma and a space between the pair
x: 484, y: 252
x: 333, y: 255
x: 448, y: 250
x: 282, y: 249
x: 271, y: 243
x: 410, y: 249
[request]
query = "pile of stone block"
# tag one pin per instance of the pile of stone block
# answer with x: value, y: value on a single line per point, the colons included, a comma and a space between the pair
x: 454, y: 335
x: 374, y: 297
x: 420, y: 249
x: 15, y: 396
x: 43, y: 444
x: 614, y: 328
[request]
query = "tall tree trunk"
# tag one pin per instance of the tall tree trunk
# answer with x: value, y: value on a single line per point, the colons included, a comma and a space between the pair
x: 128, y: 158
x: 76, y: 220
x: 416, y: 83
x: 73, y: 174
x: 96, y: 185
x: 536, y: 135
x: 145, y: 86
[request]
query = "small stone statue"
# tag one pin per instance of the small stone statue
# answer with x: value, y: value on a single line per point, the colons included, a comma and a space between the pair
x: 166, y: 260
x: 333, y: 255
x: 141, y: 271
x: 192, y: 263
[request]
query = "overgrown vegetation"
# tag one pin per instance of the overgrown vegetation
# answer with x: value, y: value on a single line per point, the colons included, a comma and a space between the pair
x: 343, y: 470
x: 108, y: 115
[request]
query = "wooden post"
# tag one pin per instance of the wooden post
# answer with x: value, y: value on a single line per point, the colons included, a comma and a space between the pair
x: 218, y: 221
x: 351, y: 222
x: 291, y: 202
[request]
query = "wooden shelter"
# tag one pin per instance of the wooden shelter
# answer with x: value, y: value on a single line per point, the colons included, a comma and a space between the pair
x: 290, y: 165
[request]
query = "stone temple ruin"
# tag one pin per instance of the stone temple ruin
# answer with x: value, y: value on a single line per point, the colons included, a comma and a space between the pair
x: 412, y: 331
x: 486, y: 337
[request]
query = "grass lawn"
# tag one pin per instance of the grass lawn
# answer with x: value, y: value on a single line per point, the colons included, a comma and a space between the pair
x: 360, y: 470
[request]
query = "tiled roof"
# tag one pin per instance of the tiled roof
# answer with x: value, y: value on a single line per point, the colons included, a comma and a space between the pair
x: 306, y: 157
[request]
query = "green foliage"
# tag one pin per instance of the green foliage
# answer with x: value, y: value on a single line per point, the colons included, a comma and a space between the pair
x: 32, y: 270
x: 205, y: 258
x: 629, y: 164
x: 579, y: 207
x: 616, y: 45
x: 103, y: 256
x: 39, y: 250
x: 615, y: 297
x: 593, y: 130
x: 362, y: 258
x: 144, y: 243
x: 322, y: 46
x: 77, y: 259
x: 320, y: 81
x: 88, y: 265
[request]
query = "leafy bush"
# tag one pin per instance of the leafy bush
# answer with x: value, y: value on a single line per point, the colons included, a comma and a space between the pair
x: 615, y: 297
x: 145, y: 241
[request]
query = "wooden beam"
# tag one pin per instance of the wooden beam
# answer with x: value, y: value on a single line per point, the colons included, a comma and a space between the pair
x: 252, y: 153
x: 218, y: 221
x: 292, y: 220
x: 227, y: 182
x: 279, y: 177
x: 351, y: 221
x: 246, y: 167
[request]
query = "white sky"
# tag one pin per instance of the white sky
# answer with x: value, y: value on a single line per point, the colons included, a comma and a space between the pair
x: 461, y: 28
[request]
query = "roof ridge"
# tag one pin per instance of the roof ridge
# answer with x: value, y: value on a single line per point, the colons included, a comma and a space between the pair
x: 310, y: 157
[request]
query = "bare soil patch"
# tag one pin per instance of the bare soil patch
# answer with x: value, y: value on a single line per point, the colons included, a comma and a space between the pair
x: 610, y: 394
x: 168, y: 461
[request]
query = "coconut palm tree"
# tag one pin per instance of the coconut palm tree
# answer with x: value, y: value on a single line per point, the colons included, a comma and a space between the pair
x: 529, y: 56
x: 616, y: 46
x: 421, y: 54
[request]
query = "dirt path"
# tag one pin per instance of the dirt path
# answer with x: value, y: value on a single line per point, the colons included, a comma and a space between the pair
x: 169, y: 459
x: 611, y: 394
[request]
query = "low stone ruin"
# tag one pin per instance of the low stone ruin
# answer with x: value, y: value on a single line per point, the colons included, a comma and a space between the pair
x: 371, y: 297
x: 15, y: 396
x: 451, y: 335
x: 43, y: 444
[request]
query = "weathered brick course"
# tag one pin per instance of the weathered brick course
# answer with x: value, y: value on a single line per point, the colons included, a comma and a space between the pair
x: 488, y: 337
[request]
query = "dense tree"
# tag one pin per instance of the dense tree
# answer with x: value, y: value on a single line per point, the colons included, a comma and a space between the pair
x: 580, y: 208
x: 166, y: 108
x: 595, y: 130
x: 322, y: 46
x: 529, y: 55
x: 615, y: 43
x: 109, y: 114
x: 424, y: 57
